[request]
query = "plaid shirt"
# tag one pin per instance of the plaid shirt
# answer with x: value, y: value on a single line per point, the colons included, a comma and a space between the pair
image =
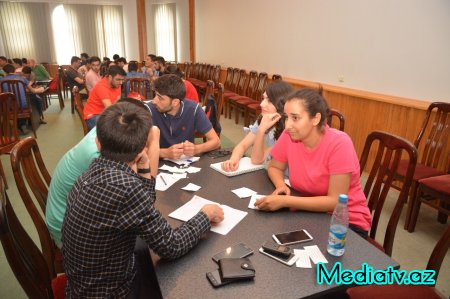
x: 107, y: 208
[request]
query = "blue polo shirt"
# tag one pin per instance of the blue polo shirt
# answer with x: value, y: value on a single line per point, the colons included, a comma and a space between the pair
x: 176, y: 129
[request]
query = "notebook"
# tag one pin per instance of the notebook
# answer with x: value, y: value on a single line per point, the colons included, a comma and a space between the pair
x: 245, y: 165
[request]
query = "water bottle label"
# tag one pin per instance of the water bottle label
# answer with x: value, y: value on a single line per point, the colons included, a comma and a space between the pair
x: 337, y: 240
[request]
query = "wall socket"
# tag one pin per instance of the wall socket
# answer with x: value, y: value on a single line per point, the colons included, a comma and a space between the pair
x: 340, y: 78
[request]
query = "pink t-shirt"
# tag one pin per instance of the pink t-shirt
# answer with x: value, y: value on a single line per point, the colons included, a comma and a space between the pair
x: 310, y: 170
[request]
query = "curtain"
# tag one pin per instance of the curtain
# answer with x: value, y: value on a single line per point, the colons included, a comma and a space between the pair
x: 23, y: 30
x: 164, y: 16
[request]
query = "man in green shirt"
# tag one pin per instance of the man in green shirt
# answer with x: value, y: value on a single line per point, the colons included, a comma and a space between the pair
x: 39, y: 71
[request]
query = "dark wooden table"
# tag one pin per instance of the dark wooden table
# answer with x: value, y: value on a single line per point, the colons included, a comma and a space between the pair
x: 185, y: 277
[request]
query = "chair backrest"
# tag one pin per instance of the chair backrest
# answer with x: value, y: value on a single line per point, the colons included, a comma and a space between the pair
x: 24, y: 257
x: 333, y: 113
x: 18, y: 88
x: 209, y: 91
x: 439, y: 252
x: 252, y: 82
x: 388, y: 154
x: 79, y: 107
x: 30, y: 173
x: 229, y: 77
x: 234, y: 82
x: 139, y: 85
x: 438, y: 135
x: 219, y: 100
x: 240, y: 89
x: 187, y: 70
x: 215, y: 77
x: 276, y: 77
x: 9, y: 135
x: 261, y: 86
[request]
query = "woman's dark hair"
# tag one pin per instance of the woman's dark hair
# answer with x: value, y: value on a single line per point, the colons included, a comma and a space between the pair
x: 277, y: 93
x: 313, y: 102
x: 173, y: 69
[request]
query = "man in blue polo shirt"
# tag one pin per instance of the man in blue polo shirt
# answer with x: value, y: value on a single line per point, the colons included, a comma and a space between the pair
x: 178, y: 120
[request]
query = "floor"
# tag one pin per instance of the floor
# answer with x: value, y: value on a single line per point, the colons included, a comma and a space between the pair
x: 63, y: 130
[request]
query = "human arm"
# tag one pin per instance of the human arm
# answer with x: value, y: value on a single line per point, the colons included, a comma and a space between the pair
x: 173, y: 152
x: 238, y: 152
x: 36, y: 90
x: 212, y: 143
x: 153, y: 150
x: 259, y: 152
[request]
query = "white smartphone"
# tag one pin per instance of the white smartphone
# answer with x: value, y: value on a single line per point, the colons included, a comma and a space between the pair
x: 289, y: 260
x: 293, y: 237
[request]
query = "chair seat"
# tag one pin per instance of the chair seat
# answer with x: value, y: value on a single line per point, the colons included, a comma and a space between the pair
x: 228, y: 94
x: 439, y: 183
x: 246, y: 102
x: 393, y: 291
x: 239, y: 98
x: 375, y: 243
x: 254, y: 106
x: 421, y: 171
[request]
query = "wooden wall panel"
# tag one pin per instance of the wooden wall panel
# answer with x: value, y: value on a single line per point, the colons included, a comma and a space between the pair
x: 365, y: 112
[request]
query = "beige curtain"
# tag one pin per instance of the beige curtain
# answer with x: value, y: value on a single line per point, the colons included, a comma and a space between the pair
x: 23, y: 30
x: 164, y: 16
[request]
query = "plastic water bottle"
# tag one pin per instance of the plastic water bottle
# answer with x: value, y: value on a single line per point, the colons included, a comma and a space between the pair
x: 338, y: 228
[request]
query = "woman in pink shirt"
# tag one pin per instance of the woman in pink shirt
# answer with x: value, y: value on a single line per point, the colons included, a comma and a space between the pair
x: 322, y: 163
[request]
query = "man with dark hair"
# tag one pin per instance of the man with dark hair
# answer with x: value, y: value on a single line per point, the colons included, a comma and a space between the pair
x: 115, y: 58
x: 149, y: 65
x: 122, y: 62
x: 93, y: 75
x: 160, y: 66
x: 106, y: 92
x: 112, y: 203
x: 84, y: 58
x: 178, y: 120
x: 73, y: 76
x: 17, y: 63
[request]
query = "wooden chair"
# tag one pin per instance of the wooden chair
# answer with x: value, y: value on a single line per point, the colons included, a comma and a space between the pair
x: 333, y: 113
x: 434, y: 192
x: 435, y: 142
x: 25, y: 258
x: 209, y: 91
x: 24, y: 111
x: 140, y: 85
x: 79, y: 107
x: 408, y: 291
x: 241, y: 89
x: 9, y: 135
x: 241, y: 104
x: 249, y: 92
x: 388, y: 152
x: 30, y: 173
x: 276, y: 77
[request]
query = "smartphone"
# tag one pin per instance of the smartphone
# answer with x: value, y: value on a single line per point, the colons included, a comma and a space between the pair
x: 293, y: 237
x: 289, y: 260
x: 215, y: 280
x: 235, y: 251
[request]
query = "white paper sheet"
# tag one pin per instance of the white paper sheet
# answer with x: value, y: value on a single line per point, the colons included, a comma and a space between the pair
x: 255, y: 197
x: 243, y: 192
x: 191, y: 187
x: 315, y: 254
x: 231, y: 216
x: 164, y: 181
x: 303, y: 260
x: 183, y: 160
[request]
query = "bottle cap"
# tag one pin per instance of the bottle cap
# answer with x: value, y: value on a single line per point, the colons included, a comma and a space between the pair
x: 343, y: 198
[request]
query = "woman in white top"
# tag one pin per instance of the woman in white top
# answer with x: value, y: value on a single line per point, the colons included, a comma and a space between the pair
x: 266, y: 130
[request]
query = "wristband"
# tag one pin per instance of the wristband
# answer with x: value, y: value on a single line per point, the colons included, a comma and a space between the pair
x: 143, y: 170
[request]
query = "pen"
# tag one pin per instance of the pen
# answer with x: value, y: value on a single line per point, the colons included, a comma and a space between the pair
x: 164, y: 181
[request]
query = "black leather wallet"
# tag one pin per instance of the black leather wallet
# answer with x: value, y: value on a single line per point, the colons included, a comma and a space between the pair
x: 236, y: 269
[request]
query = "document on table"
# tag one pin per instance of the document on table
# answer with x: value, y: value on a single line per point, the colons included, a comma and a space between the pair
x: 165, y: 180
x: 231, y: 216
x: 183, y: 160
x: 253, y: 199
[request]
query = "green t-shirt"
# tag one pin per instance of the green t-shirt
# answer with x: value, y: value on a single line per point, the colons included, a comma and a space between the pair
x: 69, y: 168
x: 40, y: 72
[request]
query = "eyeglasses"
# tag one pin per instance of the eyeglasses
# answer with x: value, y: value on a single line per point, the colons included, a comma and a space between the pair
x: 219, y: 153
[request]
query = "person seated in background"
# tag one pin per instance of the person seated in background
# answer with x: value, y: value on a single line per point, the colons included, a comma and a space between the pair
x: 160, y: 66
x: 266, y: 130
x: 24, y: 62
x: 3, y: 62
x: 191, y: 92
x: 115, y: 58
x: 179, y: 119
x: 39, y: 71
x: 105, y: 93
x: 74, y: 78
x: 84, y: 58
x: 74, y: 163
x: 122, y: 62
x: 322, y: 163
x: 93, y: 75
x: 34, y: 92
x: 112, y: 203
x: 133, y: 71
x: 17, y: 63
x: 149, y: 66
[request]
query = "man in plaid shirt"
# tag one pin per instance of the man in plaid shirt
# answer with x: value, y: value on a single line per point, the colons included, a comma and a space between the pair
x: 112, y: 203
